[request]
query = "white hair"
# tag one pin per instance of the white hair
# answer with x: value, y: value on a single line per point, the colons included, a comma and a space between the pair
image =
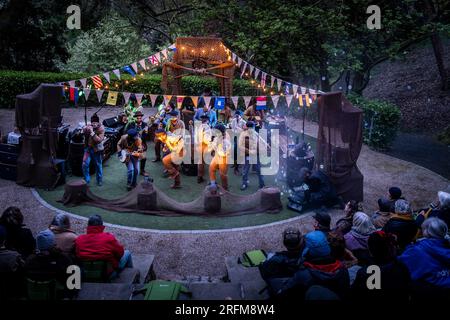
x: 434, y: 228
x: 444, y: 199
x: 362, y: 223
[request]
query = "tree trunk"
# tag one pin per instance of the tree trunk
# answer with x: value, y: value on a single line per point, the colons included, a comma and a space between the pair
x: 358, y: 82
x: 439, y: 55
x: 324, y: 79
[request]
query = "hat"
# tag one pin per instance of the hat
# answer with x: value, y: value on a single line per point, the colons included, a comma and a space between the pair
x: 138, y: 114
x: 292, y: 238
x: 95, y: 118
x: 250, y: 124
x: 402, y: 206
x: 95, y: 220
x: 173, y: 113
x: 132, y: 133
x: 316, y: 245
x: 220, y: 127
x: 323, y: 219
x: 45, y: 240
x: 395, y: 193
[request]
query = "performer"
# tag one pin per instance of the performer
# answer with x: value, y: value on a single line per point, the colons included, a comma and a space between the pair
x: 174, y: 123
x: 173, y: 146
x: 225, y: 114
x: 142, y: 128
x: 221, y: 146
x: 202, y: 140
x: 256, y: 116
x: 249, y: 142
x: 94, y: 136
x: 237, y: 126
x: 132, y: 144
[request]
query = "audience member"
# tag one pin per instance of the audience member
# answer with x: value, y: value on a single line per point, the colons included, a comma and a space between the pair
x: 388, y: 204
x: 99, y: 245
x: 402, y: 224
x: 345, y: 224
x: 439, y: 210
x: 322, y: 221
x: 64, y: 236
x: 18, y: 238
x: 356, y: 238
x: 11, y: 270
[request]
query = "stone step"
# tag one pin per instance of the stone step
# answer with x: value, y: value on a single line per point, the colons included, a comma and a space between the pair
x: 105, y: 291
x: 144, y: 263
x: 128, y: 276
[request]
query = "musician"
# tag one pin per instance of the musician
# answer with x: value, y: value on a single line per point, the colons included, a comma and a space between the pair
x: 174, y: 123
x: 249, y: 143
x: 173, y: 147
x: 159, y: 124
x: 256, y: 116
x: 221, y: 147
x: 132, y: 144
x: 142, y: 128
x: 237, y: 125
x: 202, y: 140
x: 94, y: 136
x: 225, y: 114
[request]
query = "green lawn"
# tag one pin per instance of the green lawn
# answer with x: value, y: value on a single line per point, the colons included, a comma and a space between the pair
x: 114, y: 186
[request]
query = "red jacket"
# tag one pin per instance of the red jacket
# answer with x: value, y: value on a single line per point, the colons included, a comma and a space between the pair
x: 98, y: 245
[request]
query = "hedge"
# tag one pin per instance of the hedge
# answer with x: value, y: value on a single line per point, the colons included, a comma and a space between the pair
x: 13, y: 83
x: 381, y: 121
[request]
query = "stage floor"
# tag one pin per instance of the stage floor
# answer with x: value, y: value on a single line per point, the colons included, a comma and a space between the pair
x: 114, y: 186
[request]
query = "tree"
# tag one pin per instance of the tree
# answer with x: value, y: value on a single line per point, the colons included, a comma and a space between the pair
x: 113, y: 43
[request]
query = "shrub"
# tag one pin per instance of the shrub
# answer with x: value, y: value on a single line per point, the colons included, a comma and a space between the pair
x: 381, y: 121
x: 444, y: 136
x: 13, y: 83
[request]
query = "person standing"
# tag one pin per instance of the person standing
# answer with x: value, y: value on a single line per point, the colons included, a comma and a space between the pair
x: 237, y: 125
x: 221, y: 146
x: 132, y: 144
x: 249, y: 144
x: 202, y: 140
x: 142, y: 128
x: 173, y: 147
x: 94, y: 137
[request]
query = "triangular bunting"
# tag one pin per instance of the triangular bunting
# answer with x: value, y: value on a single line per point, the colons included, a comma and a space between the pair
x: 99, y: 95
x: 207, y: 100
x: 134, y: 66
x: 154, y: 59
x: 117, y: 73
x: 257, y: 71
x: 279, y: 84
x: 142, y: 63
x: 289, y: 99
x: 235, y: 100
x: 153, y: 98
x: 275, y: 99
x: 180, y: 100
x: 167, y: 99
x: 233, y: 56
x: 86, y: 93
x: 272, y: 80
x: 251, y: 70
x: 72, y: 83
x: 303, y: 90
x: 243, y: 69
x: 247, y: 100
x: 126, y: 96
x: 164, y: 54
x: 106, y: 75
x: 239, y: 61
x: 295, y: 88
x: 138, y: 97
x: 194, y: 100
x: 83, y: 82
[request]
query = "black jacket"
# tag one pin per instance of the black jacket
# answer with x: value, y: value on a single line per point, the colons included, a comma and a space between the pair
x: 281, y: 265
x: 20, y: 239
x: 404, y: 229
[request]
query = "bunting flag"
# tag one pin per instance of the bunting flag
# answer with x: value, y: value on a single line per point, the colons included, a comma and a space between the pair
x: 247, y: 100
x: 134, y: 66
x: 287, y: 89
x: 153, y: 60
x: 99, y: 94
x: 243, y: 69
x: 263, y: 79
x: 207, y: 100
x: 194, y: 100
x: 257, y: 71
x: 167, y: 99
x: 83, y: 82
x: 295, y: 88
x: 112, y: 98
x: 239, y: 61
x: 219, y: 103
x: 180, y: 100
x: 129, y: 70
x: 72, y: 83
x: 233, y: 56
x: 164, y: 54
x: 86, y: 92
x: 303, y: 90
x: 275, y: 99
x: 289, y: 99
x: 303, y: 100
x: 117, y: 73
x: 279, y: 84
x: 73, y: 94
x: 153, y: 98
x: 251, y: 70
x: 106, y: 75
x: 261, y: 103
x: 142, y: 63
x: 97, y: 82
x: 272, y: 80
x: 126, y: 96
x: 138, y: 97
x: 235, y: 100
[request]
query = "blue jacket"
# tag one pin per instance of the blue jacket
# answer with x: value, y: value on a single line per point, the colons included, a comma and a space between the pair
x: 428, y: 261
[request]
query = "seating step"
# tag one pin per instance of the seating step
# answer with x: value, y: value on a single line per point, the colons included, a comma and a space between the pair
x: 128, y: 276
x: 105, y: 291
x: 144, y: 263
x: 216, y: 291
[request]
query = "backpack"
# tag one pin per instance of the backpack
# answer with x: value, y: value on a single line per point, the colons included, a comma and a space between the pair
x: 253, y: 258
x: 164, y: 290
x: 279, y: 266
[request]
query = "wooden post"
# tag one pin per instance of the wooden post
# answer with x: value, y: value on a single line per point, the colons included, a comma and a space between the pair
x: 270, y: 199
x: 212, y: 201
x: 75, y: 192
